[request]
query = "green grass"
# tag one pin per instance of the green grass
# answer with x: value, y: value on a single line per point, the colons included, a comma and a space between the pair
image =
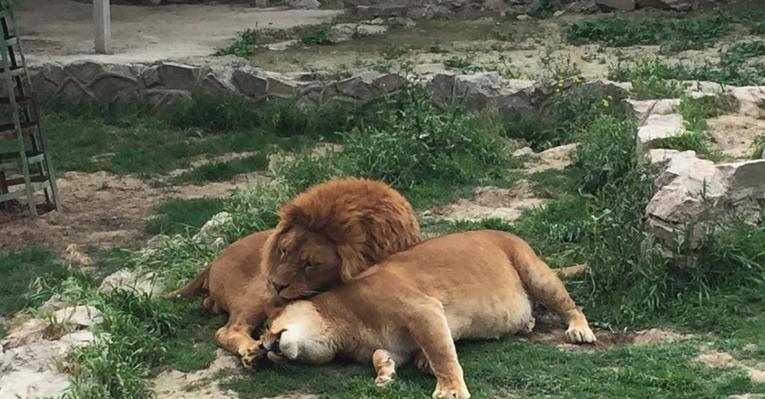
x: 737, y: 66
x: 511, y: 368
x: 672, y: 31
x: 20, y: 269
x: 564, y: 118
x: 221, y: 170
x: 695, y: 112
x: 177, y: 215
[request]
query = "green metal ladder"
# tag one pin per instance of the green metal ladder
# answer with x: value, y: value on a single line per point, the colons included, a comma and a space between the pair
x: 26, y: 170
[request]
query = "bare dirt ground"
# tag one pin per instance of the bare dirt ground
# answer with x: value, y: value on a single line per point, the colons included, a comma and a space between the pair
x: 62, y: 30
x: 101, y: 209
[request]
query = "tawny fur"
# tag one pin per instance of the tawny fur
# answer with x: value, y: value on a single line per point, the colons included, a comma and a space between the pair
x: 347, y: 225
x: 416, y: 303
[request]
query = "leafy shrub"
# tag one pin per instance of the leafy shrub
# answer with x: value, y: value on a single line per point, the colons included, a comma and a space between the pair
x: 420, y: 143
x: 246, y: 44
x: 654, y: 88
x: 607, y: 151
x: 316, y: 35
x: 544, y: 8
x: 213, y: 113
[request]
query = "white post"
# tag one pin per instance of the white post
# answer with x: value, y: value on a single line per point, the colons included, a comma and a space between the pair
x: 103, y: 22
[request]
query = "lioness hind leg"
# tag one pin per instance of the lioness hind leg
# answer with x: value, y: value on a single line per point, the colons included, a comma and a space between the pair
x: 431, y: 332
x: 544, y: 285
x: 385, y: 367
x: 421, y: 362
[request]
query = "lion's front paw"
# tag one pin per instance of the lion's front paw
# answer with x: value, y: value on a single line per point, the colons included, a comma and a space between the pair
x: 580, y: 333
x: 383, y: 380
x: 253, y: 355
x: 451, y: 391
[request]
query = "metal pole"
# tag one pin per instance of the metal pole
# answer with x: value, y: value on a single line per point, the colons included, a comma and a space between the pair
x: 103, y: 22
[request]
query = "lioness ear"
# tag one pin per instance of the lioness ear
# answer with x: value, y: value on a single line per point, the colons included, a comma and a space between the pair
x: 353, y: 262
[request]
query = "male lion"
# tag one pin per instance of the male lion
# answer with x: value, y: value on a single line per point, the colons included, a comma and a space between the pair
x: 416, y: 303
x: 326, y: 236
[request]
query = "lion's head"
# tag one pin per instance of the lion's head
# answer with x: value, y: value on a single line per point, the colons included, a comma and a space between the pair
x: 334, y: 231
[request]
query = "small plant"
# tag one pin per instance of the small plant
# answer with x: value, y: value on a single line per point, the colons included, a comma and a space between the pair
x: 655, y: 88
x: 503, y: 34
x: 759, y: 147
x: 739, y: 52
x: 246, y: 44
x: 557, y: 67
x: 320, y: 35
x: 688, y: 141
x: 463, y: 64
x: 607, y: 151
x: 393, y: 51
x: 696, y: 110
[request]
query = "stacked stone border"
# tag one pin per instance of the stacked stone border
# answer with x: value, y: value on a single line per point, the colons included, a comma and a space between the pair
x: 687, y: 190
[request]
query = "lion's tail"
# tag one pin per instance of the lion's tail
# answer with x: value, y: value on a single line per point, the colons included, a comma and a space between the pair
x: 194, y: 287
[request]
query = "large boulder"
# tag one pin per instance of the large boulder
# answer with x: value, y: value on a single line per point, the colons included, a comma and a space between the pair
x: 615, y: 5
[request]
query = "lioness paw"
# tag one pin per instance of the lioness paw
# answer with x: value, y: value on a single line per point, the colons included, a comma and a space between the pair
x: 383, y: 380
x: 252, y: 355
x: 580, y: 334
x: 451, y: 393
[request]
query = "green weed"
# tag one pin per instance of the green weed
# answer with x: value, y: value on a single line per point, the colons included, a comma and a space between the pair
x: 316, y: 35
x: 245, y: 44
x: 654, y: 88
x: 221, y: 171
x: 607, y: 151
x: 463, y: 64
x: 696, y: 111
x: 759, y: 147
x: 177, y: 215
x: 544, y: 8
x: 671, y: 32
x: 20, y: 270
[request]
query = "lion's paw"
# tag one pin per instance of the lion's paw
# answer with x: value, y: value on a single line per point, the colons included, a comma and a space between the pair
x: 580, y: 333
x: 451, y: 392
x: 383, y: 380
x: 251, y: 356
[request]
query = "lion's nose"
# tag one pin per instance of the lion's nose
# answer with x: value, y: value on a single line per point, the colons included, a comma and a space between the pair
x: 278, y: 286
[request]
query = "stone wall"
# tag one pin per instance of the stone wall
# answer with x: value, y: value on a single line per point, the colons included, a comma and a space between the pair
x: 165, y: 83
x: 691, y: 193
x: 440, y: 8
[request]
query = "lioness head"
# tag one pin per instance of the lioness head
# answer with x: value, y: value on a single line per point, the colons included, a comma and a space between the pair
x: 334, y: 231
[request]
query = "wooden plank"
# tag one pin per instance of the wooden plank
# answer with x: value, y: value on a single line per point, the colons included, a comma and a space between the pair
x: 102, y: 19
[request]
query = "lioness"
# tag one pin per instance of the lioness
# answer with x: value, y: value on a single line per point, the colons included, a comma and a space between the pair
x: 416, y: 303
x: 326, y: 235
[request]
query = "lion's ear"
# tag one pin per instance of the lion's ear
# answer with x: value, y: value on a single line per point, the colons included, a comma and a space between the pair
x: 291, y: 214
x: 353, y: 262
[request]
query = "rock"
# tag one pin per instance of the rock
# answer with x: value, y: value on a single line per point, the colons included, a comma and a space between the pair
x: 348, y: 31
x: 478, y: 90
x: 615, y: 5
x: 29, y: 331
x: 30, y: 371
x: 523, y: 17
x: 677, y: 200
x: 658, y: 127
x: 359, y: 86
x: 403, y: 22
x: 522, y: 152
x: 442, y: 87
x: 55, y: 302
x: 283, y: 45
x: 675, y: 5
x: 111, y: 87
x: 177, y: 76
x: 142, y: 283
x: 558, y: 13
x: 304, y: 4
x: 213, y: 228
x: 173, y: 384
x: 80, y: 315
x: 73, y: 90
x: 249, y: 83
x: 557, y: 158
x: 162, y: 99
x: 746, y: 180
